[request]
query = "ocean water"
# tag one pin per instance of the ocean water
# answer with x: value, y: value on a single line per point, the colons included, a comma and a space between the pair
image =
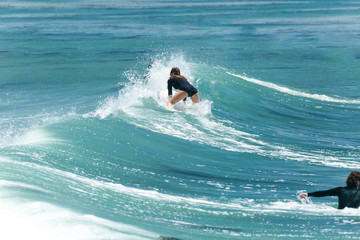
x: 89, y: 150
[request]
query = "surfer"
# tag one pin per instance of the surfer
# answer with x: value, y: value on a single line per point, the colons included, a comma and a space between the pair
x: 185, y: 88
x: 349, y: 196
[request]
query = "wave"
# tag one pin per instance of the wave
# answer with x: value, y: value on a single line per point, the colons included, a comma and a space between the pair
x: 137, y: 195
x: 320, y: 97
x: 48, y: 214
x: 30, y: 130
x: 138, y: 104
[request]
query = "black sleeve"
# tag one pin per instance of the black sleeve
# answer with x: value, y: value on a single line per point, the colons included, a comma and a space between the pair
x: 169, y: 88
x: 330, y: 192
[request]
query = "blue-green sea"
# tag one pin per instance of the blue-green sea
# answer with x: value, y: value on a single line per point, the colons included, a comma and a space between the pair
x: 89, y: 149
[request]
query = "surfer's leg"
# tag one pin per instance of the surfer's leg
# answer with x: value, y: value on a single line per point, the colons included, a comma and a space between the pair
x: 180, y: 95
x: 195, y: 98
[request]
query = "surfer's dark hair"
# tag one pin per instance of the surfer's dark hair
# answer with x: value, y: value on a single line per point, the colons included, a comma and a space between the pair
x: 175, y: 70
x: 353, y: 179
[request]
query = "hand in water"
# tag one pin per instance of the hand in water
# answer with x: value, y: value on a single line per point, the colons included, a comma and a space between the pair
x: 302, y: 196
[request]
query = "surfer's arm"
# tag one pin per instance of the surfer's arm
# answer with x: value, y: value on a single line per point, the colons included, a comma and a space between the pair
x: 169, y: 88
x: 330, y: 192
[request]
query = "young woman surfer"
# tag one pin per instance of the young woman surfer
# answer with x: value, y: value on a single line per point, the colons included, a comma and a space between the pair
x: 349, y: 196
x: 186, y: 89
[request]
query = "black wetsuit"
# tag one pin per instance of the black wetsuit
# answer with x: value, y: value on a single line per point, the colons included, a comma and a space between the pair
x: 181, y: 84
x: 348, y: 197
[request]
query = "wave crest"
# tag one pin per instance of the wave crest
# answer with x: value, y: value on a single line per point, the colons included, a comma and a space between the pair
x: 320, y: 97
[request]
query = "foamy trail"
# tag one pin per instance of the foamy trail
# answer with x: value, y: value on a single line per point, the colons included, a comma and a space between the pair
x: 320, y: 97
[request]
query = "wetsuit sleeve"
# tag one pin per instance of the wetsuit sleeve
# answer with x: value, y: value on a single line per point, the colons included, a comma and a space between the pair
x: 330, y: 192
x: 169, y: 88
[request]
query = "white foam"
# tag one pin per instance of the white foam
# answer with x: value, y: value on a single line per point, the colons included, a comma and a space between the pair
x: 34, y: 137
x: 39, y: 220
x: 320, y: 97
x: 138, y: 89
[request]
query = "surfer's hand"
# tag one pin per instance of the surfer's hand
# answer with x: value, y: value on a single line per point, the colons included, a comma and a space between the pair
x: 302, y: 196
x: 169, y: 104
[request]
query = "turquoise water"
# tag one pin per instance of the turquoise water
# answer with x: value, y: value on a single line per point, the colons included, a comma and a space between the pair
x: 88, y: 149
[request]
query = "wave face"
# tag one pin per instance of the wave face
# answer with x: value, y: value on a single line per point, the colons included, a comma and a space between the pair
x: 89, y: 150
